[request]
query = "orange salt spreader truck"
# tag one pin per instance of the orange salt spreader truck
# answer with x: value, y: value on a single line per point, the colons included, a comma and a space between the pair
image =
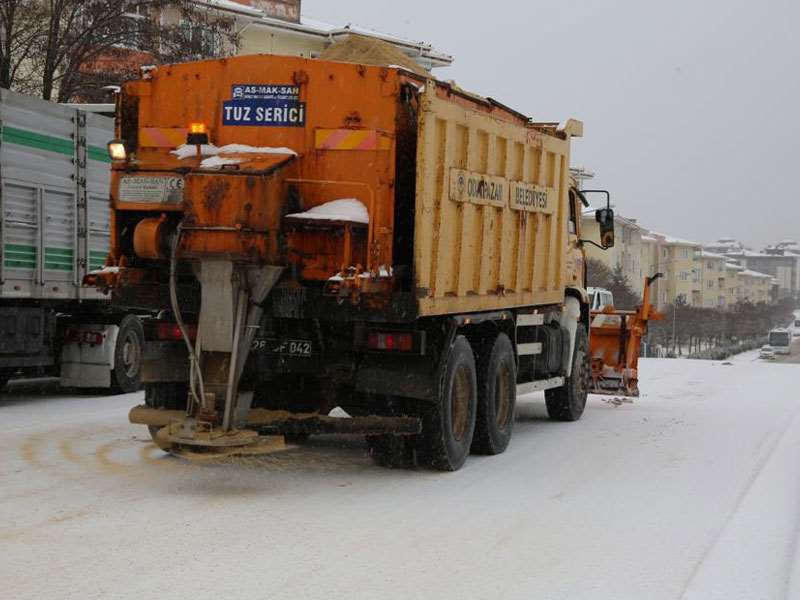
x: 319, y: 235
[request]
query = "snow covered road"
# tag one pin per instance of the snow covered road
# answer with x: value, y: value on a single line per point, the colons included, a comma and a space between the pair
x: 692, y: 491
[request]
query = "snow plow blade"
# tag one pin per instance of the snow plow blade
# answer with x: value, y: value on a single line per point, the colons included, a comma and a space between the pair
x: 615, y: 338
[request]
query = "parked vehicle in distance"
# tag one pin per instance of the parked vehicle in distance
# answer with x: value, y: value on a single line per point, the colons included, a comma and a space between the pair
x: 599, y: 298
x: 766, y: 353
x: 781, y: 341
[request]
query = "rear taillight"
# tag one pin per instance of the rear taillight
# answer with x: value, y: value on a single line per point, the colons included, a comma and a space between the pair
x: 170, y: 332
x: 391, y: 342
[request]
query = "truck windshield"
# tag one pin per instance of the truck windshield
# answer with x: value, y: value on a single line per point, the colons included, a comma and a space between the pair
x: 779, y: 338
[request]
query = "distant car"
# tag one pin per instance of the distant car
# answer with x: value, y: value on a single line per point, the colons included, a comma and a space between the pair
x: 780, y: 341
x: 766, y: 353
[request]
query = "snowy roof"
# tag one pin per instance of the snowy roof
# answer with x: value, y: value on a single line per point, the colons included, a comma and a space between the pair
x: 307, y: 25
x: 675, y: 241
x: 734, y: 267
x: 713, y: 255
x: 416, y: 49
x: 232, y: 6
x: 628, y: 222
x: 649, y: 238
x: 749, y: 273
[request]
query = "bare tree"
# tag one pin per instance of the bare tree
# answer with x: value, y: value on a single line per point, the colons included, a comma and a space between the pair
x: 74, y: 46
x: 20, y: 31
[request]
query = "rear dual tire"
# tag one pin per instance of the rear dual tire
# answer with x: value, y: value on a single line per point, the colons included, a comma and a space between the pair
x: 448, y: 425
x: 497, y: 398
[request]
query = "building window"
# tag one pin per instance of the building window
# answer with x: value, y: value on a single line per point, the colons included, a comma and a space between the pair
x: 710, y: 284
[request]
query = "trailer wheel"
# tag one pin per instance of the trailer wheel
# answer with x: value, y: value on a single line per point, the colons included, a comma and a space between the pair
x: 449, y: 425
x: 567, y: 402
x: 128, y: 356
x: 167, y: 396
x: 497, y: 397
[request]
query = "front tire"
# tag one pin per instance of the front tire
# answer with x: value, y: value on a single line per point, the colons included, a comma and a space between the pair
x: 568, y: 402
x: 497, y: 398
x: 449, y: 425
x: 125, y: 377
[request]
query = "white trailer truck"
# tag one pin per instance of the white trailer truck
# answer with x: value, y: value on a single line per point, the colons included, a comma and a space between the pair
x: 54, y: 229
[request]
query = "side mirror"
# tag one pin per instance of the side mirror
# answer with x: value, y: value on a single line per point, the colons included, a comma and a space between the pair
x: 605, y: 217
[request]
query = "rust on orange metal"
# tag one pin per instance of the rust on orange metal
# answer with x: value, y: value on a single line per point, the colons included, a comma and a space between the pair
x: 162, y: 137
x: 351, y: 139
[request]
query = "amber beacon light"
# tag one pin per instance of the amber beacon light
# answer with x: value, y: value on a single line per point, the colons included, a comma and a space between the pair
x: 198, y: 135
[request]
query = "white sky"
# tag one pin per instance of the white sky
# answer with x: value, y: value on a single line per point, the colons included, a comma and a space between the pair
x: 690, y: 107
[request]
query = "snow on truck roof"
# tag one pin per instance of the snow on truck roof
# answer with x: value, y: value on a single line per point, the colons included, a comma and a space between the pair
x: 345, y: 209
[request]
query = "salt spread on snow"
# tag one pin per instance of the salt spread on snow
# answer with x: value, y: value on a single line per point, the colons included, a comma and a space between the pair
x: 346, y: 209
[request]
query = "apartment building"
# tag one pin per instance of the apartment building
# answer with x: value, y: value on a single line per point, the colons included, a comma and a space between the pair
x: 732, y: 282
x: 676, y: 260
x: 711, y: 280
x: 754, y: 287
x: 243, y: 27
x: 627, y: 251
x: 779, y: 263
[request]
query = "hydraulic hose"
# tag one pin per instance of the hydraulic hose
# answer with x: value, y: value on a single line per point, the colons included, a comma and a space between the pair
x: 173, y: 296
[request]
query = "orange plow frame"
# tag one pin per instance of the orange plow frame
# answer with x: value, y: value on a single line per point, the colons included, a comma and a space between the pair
x: 615, y: 338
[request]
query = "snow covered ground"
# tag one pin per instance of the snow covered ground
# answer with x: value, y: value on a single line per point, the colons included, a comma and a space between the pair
x: 692, y: 491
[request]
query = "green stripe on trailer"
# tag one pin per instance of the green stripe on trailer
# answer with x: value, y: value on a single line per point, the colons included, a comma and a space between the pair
x: 97, y: 259
x: 59, y: 259
x: 99, y: 154
x: 17, y: 256
x: 31, y: 139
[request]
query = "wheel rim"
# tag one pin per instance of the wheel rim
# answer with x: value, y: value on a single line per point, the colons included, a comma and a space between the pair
x: 459, y: 404
x: 131, y: 353
x: 502, y: 397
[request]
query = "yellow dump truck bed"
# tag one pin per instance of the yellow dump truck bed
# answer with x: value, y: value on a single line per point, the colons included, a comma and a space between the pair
x: 491, y: 207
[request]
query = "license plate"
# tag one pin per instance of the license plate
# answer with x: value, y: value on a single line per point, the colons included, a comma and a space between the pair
x: 294, y: 348
x: 161, y: 190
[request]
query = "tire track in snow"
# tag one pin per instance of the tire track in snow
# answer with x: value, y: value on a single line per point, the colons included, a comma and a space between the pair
x: 752, y: 514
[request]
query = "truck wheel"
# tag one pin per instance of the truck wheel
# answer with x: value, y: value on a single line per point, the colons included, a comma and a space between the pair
x: 128, y: 356
x: 497, y: 397
x: 567, y: 402
x: 167, y: 396
x: 449, y: 425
